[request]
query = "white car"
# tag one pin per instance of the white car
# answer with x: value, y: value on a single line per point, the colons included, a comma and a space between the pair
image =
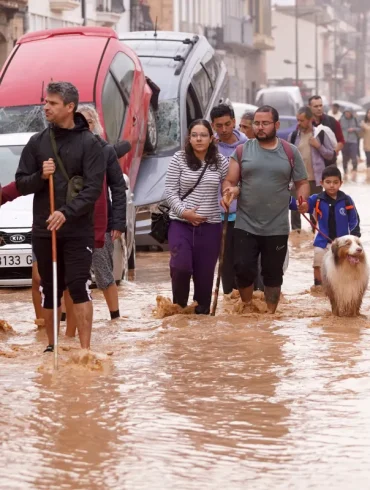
x: 16, y: 224
x: 240, y: 108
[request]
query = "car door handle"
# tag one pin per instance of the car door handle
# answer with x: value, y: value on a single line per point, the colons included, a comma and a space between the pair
x: 134, y: 121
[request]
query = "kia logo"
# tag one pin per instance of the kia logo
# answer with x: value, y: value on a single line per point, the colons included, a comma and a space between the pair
x: 17, y: 238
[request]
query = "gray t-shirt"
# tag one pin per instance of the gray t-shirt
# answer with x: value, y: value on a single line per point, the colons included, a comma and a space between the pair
x: 263, y: 204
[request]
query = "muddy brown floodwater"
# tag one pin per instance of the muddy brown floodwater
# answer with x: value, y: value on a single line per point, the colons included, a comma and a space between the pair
x: 231, y: 402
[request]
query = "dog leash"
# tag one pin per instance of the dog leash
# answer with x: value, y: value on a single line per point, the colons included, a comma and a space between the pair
x: 300, y: 200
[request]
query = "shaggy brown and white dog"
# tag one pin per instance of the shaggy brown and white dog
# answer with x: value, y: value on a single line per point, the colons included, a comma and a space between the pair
x: 345, y: 275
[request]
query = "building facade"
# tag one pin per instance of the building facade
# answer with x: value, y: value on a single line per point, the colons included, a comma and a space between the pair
x: 332, y: 41
x: 239, y: 30
x: 18, y: 17
x: 12, y: 21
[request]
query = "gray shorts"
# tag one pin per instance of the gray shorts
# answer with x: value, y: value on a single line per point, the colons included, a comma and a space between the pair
x: 102, y: 263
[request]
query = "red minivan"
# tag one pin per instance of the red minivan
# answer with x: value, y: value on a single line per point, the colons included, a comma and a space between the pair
x: 106, y: 73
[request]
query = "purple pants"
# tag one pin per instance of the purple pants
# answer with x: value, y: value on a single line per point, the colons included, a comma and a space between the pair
x: 194, y: 252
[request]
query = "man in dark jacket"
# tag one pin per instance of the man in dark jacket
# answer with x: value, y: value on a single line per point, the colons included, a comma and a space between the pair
x: 81, y: 155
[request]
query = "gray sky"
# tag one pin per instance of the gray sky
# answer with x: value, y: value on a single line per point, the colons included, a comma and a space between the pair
x: 282, y: 2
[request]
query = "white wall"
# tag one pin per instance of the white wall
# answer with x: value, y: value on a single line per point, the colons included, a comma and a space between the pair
x: 42, y: 17
x: 284, y: 35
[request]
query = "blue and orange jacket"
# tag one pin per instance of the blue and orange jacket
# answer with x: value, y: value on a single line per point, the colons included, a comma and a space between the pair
x: 346, y: 217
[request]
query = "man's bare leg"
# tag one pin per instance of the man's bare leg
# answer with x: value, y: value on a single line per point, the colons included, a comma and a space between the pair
x: 317, y: 276
x: 111, y: 297
x: 84, y: 313
x: 272, y: 296
x: 246, y: 294
x: 36, y: 296
x: 48, y: 319
x: 70, y: 316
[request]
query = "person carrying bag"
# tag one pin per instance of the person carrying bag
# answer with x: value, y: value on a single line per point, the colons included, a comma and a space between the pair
x: 192, y: 187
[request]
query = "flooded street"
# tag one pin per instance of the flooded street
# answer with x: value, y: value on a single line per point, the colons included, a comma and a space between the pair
x: 186, y: 402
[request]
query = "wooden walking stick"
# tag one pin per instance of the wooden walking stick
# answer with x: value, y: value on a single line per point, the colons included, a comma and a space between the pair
x: 220, y: 263
x: 55, y: 274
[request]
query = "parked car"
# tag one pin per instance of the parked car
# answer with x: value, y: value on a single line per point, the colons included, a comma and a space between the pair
x: 240, y: 108
x: 287, y: 125
x: 286, y: 100
x: 16, y: 223
x: 192, y: 79
x: 108, y: 75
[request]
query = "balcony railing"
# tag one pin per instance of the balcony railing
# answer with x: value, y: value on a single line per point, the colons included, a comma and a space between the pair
x: 60, y: 5
x: 238, y: 32
x: 108, y: 12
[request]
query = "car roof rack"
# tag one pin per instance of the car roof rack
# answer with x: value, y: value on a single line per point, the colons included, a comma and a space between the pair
x: 181, y: 59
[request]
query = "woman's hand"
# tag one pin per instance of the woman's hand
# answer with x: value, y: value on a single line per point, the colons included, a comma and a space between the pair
x: 228, y: 196
x: 192, y: 216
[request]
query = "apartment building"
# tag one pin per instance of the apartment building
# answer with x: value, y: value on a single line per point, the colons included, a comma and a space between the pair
x: 18, y: 17
x: 239, y: 30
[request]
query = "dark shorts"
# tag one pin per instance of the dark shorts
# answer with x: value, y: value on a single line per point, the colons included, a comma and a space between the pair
x: 248, y: 247
x: 74, y: 258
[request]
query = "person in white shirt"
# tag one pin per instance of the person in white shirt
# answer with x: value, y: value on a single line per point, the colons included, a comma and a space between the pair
x: 335, y: 112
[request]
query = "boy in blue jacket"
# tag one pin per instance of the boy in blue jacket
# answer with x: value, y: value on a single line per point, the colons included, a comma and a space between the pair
x: 335, y: 213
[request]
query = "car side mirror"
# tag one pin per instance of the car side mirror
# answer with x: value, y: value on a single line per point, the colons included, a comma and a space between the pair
x: 122, y: 148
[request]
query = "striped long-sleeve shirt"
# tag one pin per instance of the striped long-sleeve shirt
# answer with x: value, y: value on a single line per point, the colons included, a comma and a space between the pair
x: 180, y: 178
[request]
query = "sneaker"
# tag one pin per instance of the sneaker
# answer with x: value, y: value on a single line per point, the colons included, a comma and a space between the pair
x: 202, y: 310
x: 49, y: 348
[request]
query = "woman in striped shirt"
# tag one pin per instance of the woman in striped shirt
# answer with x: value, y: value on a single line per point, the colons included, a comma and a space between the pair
x: 195, y: 230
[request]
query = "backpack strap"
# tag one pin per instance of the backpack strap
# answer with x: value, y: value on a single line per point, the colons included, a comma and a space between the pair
x: 317, y: 208
x: 349, y: 205
x: 321, y: 136
x: 289, y: 152
x: 293, y: 137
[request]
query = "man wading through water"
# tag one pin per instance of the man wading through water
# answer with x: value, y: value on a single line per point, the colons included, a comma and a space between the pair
x: 223, y: 123
x: 81, y: 154
x: 262, y: 217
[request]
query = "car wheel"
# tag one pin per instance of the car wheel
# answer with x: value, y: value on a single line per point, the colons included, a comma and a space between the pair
x: 151, y: 141
x: 132, y: 258
x: 120, y: 260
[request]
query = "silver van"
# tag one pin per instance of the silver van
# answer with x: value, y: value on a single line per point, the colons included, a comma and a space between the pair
x: 286, y: 100
x: 192, y: 79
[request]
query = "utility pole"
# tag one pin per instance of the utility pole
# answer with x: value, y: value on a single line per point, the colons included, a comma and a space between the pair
x: 296, y: 45
x: 335, y: 62
x: 83, y: 12
x: 316, y: 55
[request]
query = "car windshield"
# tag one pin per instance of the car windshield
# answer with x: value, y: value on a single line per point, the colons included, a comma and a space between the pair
x: 162, y: 72
x: 22, y: 119
x: 9, y: 159
x: 168, y: 125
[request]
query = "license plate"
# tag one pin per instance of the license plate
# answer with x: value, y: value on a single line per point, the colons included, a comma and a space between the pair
x: 14, y: 260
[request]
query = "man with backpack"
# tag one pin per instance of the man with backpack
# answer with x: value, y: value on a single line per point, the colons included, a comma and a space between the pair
x: 261, y: 181
x: 317, y: 108
x: 317, y: 152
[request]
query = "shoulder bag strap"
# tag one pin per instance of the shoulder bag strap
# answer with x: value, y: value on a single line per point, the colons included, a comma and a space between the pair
x: 57, y: 157
x: 196, y: 184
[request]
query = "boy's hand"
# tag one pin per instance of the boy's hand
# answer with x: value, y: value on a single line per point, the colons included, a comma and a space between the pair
x: 303, y: 207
